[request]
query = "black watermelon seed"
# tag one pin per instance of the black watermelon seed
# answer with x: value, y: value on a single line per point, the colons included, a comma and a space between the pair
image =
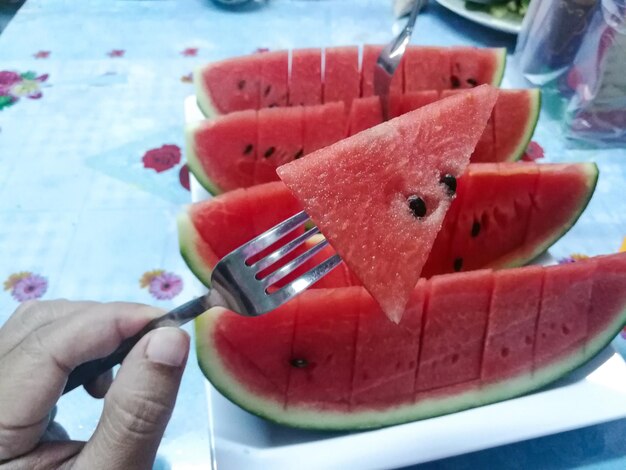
x: 273, y: 105
x: 241, y: 84
x: 248, y: 149
x: 299, y: 154
x: 299, y: 363
x: 455, y: 82
x: 475, y: 228
x: 472, y: 81
x: 267, y: 90
x: 417, y: 206
x: 269, y: 152
x: 450, y: 182
x: 458, y: 264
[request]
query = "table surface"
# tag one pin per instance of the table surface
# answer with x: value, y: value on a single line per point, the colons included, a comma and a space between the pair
x: 92, y: 173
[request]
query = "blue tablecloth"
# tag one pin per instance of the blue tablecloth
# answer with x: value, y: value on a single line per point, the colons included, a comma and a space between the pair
x: 92, y: 176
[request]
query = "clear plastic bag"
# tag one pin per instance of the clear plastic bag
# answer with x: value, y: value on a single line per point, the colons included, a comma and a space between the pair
x: 597, y: 110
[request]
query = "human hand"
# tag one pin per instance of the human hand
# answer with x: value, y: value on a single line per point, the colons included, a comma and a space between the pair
x: 42, y: 342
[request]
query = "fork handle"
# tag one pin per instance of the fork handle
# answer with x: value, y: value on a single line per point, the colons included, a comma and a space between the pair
x: 89, y: 371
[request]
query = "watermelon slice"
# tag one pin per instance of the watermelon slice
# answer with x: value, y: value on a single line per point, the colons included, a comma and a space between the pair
x: 326, y: 124
x: 241, y: 82
x: 484, y: 246
x: 303, y: 374
x: 403, y: 173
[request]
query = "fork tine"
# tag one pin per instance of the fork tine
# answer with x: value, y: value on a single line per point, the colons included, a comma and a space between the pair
x: 283, y: 250
x: 272, y: 235
x: 293, y: 264
x: 313, y: 275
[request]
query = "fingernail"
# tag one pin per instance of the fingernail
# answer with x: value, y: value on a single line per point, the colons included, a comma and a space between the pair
x: 168, y: 346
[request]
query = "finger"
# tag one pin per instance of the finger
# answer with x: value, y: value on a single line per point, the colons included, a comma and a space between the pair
x: 35, y: 371
x: 99, y: 387
x: 48, y: 455
x: 139, y: 403
x: 34, y: 314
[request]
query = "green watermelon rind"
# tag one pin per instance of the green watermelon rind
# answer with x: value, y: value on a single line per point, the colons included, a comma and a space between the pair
x: 214, y: 370
x: 530, y: 126
x: 204, y: 100
x: 500, y: 55
x: 592, y: 173
x: 188, y: 238
x: 193, y: 162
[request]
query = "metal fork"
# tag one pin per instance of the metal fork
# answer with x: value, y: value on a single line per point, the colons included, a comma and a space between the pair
x: 390, y: 58
x: 236, y: 285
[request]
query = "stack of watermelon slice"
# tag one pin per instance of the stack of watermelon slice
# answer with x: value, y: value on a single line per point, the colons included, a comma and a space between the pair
x: 388, y: 337
x: 267, y: 109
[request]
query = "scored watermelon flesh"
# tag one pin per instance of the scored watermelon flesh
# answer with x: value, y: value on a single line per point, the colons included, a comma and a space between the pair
x: 608, y: 293
x: 323, y: 125
x: 471, y: 66
x: 336, y: 385
x: 305, y: 84
x: 280, y: 140
x: 427, y: 68
x: 512, y: 129
x: 411, y: 154
x: 452, y: 354
x: 510, y: 338
x: 563, y: 316
x: 342, y: 79
x: 274, y: 73
x: 364, y: 113
x: 370, y: 56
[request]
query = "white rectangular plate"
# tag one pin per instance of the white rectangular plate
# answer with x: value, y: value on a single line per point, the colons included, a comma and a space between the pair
x: 594, y: 394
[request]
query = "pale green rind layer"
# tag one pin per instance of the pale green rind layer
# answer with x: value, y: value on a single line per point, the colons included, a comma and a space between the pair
x: 194, y: 163
x: 531, y: 124
x: 591, y: 171
x: 188, y: 237
x: 205, y: 102
x: 501, y: 56
x: 209, y: 361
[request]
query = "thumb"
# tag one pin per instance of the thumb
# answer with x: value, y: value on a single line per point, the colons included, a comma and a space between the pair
x: 139, y: 404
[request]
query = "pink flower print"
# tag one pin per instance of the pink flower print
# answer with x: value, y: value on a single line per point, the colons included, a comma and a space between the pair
x: 533, y: 152
x: 189, y: 52
x: 26, y: 286
x: 187, y: 78
x: 183, y: 177
x: 42, y: 55
x: 8, y: 78
x: 261, y: 50
x: 163, y: 158
x: 116, y: 53
x: 161, y: 284
x: 572, y: 258
x: 624, y: 333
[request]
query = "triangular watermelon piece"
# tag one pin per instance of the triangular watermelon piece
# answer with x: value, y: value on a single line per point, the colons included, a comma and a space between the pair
x: 380, y: 196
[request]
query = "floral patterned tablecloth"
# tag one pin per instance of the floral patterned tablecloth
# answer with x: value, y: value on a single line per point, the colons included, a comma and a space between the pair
x: 92, y: 173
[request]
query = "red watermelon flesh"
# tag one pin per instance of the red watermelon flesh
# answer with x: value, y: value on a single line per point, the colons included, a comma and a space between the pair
x: 380, y: 171
x: 454, y: 330
x: 274, y: 77
x: 512, y: 323
x: 305, y: 82
x: 426, y: 68
x: 484, y: 151
x: 370, y: 56
x: 324, y: 366
x: 342, y: 79
x: 323, y: 125
x: 232, y: 85
x: 512, y: 130
x: 386, y: 354
x: 222, y: 153
x: 563, y: 317
x: 494, y: 217
x: 608, y: 292
x: 280, y: 140
x: 364, y: 113
x: 574, y: 183
x: 270, y: 370
x: 322, y: 376
x: 472, y: 66
x: 418, y: 99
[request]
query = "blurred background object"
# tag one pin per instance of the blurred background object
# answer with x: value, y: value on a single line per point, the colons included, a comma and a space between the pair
x: 8, y: 9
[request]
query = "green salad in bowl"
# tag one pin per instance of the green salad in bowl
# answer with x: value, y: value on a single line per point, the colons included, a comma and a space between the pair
x: 506, y: 9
